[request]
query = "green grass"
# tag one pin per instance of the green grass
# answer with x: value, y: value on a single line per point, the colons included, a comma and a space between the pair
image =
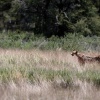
x: 30, y: 41
x: 32, y: 74
x: 91, y: 76
x: 39, y: 74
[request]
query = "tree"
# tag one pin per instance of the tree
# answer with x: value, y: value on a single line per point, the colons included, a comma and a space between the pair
x: 51, y: 17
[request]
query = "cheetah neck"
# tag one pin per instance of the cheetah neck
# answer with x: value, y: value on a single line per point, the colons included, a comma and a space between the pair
x: 78, y: 55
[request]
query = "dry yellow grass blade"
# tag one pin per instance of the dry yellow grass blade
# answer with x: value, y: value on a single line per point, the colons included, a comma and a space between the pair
x: 21, y: 89
x: 56, y: 60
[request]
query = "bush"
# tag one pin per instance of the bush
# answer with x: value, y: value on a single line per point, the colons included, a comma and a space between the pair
x: 68, y: 42
x: 94, y: 25
x: 82, y: 27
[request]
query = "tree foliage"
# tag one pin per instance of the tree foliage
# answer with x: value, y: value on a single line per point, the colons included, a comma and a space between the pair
x: 51, y: 17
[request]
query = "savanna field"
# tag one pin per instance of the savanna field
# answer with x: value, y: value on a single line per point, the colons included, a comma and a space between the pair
x: 49, y: 49
x: 41, y: 69
x: 35, y: 74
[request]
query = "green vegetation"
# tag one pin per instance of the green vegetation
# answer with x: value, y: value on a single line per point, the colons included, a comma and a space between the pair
x: 36, y: 38
x: 32, y: 75
x: 68, y: 42
x: 51, y: 17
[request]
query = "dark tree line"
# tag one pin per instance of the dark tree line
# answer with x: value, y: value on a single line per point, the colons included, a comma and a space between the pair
x: 51, y: 17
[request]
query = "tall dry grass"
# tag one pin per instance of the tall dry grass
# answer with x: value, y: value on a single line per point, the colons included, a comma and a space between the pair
x: 36, y: 58
x: 22, y: 89
x: 55, y: 60
x: 46, y: 91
